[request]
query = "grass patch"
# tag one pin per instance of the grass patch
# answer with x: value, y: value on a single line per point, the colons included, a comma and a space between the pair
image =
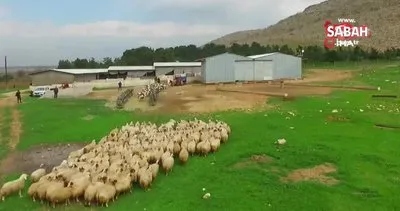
x: 366, y: 157
x: 4, y: 130
x: 351, y: 65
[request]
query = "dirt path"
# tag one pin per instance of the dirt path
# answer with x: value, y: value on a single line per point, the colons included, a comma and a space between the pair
x: 15, y: 129
x: 16, y: 125
x: 29, y: 160
x: 1, y: 126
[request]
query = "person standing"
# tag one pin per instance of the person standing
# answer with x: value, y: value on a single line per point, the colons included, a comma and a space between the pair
x: 18, y: 95
x: 55, y: 92
x: 119, y: 85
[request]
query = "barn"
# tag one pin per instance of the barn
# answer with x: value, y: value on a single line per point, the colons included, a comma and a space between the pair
x: 59, y: 76
x: 270, y: 66
x: 130, y: 71
x: 172, y: 68
x: 220, y: 68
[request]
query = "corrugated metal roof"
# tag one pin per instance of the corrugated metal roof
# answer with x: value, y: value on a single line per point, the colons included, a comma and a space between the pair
x: 177, y: 64
x: 260, y: 55
x: 81, y: 71
x: 133, y: 68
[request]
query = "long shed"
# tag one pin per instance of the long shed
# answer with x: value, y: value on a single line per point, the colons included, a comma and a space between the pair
x: 59, y: 76
x: 172, y: 68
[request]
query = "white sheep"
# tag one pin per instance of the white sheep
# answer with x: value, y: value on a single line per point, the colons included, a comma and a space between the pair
x: 37, y: 174
x: 106, y: 192
x: 91, y: 192
x: 215, y: 143
x: 32, y: 190
x: 14, y: 186
x: 145, y: 179
x: 167, y: 164
x: 154, y: 168
x: 183, y: 156
x: 59, y: 195
x: 78, y: 186
x: 123, y: 184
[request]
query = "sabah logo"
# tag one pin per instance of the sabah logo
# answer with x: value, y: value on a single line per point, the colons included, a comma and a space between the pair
x: 344, y: 34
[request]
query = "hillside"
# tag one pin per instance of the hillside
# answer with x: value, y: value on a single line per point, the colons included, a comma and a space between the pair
x: 306, y: 28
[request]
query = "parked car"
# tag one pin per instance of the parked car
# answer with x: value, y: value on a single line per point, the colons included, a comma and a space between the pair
x: 39, y: 91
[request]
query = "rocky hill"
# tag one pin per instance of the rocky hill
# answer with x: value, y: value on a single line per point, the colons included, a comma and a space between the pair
x: 306, y: 28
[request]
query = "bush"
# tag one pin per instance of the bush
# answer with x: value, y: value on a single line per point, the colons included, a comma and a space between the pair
x: 124, y: 97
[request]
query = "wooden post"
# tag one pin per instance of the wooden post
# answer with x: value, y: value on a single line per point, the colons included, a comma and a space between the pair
x: 6, y: 72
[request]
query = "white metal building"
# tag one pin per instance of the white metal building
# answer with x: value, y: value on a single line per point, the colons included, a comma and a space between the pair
x: 220, y: 68
x: 271, y: 66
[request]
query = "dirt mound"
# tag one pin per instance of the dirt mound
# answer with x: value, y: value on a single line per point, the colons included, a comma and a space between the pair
x: 317, y: 174
x: 29, y: 160
x: 254, y: 159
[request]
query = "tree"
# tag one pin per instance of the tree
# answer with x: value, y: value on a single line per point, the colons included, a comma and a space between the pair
x: 65, y: 64
x: 107, y: 62
x: 373, y: 54
x: 147, y: 56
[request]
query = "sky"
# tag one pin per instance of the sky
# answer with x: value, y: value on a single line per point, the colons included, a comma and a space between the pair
x: 42, y: 32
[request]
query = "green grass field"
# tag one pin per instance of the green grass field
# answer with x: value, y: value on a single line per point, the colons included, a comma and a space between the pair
x: 366, y: 157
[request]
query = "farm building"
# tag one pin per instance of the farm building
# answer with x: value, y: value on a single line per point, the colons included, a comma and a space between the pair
x: 220, y: 68
x: 227, y: 67
x: 271, y: 66
x: 59, y: 76
x: 130, y: 71
x: 171, y: 68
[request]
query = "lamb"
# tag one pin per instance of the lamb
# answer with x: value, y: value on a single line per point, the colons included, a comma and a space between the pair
x: 206, y: 148
x: 78, y: 186
x: 145, y: 179
x: 183, y: 156
x: 123, y: 184
x: 90, y: 146
x: 32, y: 190
x: 215, y: 144
x: 66, y: 174
x: 59, y: 195
x: 224, y: 135
x: 37, y: 174
x: 154, y: 168
x: 11, y: 187
x: 167, y: 164
x: 42, y: 188
x: 54, y: 187
x: 76, y: 154
x: 191, y: 147
x: 91, y: 192
x: 106, y: 192
x: 176, y: 148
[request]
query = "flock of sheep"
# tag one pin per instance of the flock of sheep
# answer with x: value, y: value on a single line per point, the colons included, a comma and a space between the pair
x: 100, y: 172
x: 148, y: 89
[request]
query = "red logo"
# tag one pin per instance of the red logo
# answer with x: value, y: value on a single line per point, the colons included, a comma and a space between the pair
x: 343, y: 33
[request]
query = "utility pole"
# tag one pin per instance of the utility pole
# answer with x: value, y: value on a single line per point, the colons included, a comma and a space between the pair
x: 5, y: 68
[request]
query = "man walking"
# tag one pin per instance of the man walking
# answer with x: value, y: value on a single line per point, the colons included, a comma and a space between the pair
x: 55, y: 92
x: 18, y: 95
x: 119, y: 85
